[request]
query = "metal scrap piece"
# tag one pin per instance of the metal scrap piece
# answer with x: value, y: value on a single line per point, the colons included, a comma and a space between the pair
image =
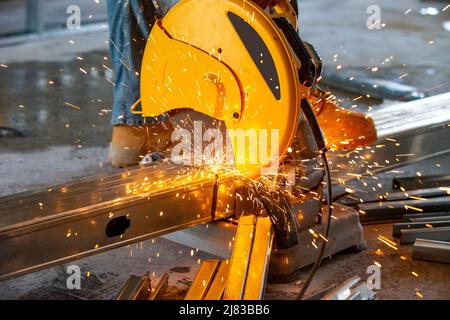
x: 438, y: 251
x: 203, y: 280
x: 348, y: 291
x: 410, y: 236
x: 160, y: 288
x: 136, y: 288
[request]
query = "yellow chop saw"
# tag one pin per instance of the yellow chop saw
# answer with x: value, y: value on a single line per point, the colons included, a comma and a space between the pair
x: 249, y: 69
x: 225, y: 88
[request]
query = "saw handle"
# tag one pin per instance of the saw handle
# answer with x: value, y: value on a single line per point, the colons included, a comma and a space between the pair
x: 287, y: 9
x: 266, y: 3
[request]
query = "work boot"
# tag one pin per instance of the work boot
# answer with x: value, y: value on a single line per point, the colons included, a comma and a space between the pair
x: 343, y: 129
x: 130, y: 144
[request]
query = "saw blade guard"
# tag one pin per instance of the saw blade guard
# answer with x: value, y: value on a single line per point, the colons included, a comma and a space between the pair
x: 229, y: 60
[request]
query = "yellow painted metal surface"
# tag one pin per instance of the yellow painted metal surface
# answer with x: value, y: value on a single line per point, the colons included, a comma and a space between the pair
x: 259, y: 260
x: 217, y: 288
x: 202, y: 281
x: 196, y: 59
x: 176, y: 75
x: 240, y: 258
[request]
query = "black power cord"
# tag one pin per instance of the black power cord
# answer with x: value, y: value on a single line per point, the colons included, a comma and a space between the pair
x: 319, y: 257
x: 320, y: 141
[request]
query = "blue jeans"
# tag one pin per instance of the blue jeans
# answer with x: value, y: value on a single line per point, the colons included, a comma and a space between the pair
x: 130, y: 22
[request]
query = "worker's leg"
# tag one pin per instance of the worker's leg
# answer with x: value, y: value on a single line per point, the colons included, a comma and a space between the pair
x: 130, y: 22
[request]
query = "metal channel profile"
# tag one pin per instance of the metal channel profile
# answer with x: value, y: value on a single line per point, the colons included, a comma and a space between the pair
x: 431, y: 219
x: 240, y: 258
x: 250, y: 259
x: 349, y: 291
x: 437, y: 251
x: 414, y: 216
x: 136, y: 288
x: 255, y: 283
x: 203, y: 280
x: 217, y: 288
x: 408, y: 133
x: 398, y: 196
x: 160, y: 288
x: 439, y: 234
x: 398, y: 227
x: 342, y: 291
x: 439, y: 182
x: 209, y: 284
x: 64, y: 223
x: 140, y: 288
x: 395, y: 210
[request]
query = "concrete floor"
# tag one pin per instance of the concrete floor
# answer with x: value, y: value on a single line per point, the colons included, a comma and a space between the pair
x: 38, y: 79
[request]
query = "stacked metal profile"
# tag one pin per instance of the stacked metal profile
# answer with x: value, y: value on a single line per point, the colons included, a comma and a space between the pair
x: 429, y: 230
x: 429, y: 233
x: 209, y: 284
x: 140, y: 288
x: 244, y: 275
